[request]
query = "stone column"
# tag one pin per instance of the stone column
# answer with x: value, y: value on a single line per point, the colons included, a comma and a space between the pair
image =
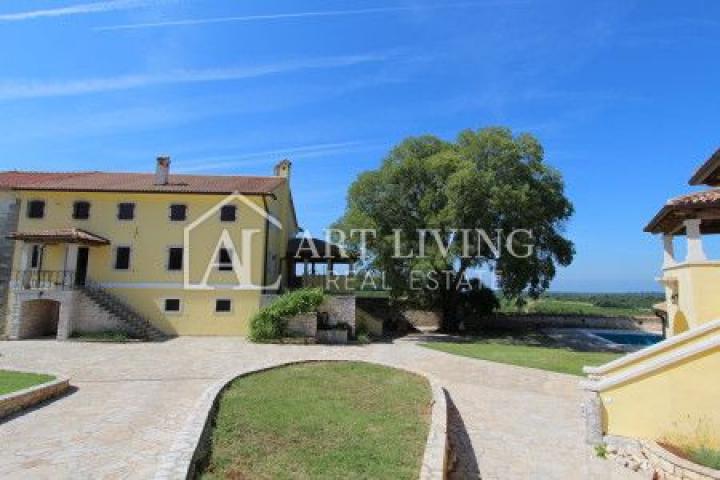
x: 67, y: 306
x: 592, y: 411
x: 695, y: 252
x: 71, y: 254
x: 668, y: 251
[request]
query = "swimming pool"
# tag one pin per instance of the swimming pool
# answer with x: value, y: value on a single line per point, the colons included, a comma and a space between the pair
x: 640, y: 339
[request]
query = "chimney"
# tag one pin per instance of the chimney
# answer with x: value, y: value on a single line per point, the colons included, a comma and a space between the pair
x: 162, y: 170
x: 282, y: 169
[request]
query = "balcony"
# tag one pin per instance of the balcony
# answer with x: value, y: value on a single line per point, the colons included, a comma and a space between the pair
x: 43, y: 280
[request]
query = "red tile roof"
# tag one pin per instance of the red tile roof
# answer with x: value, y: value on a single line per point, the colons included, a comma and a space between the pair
x: 669, y: 219
x: 64, y: 235
x: 697, y: 199
x: 137, y: 182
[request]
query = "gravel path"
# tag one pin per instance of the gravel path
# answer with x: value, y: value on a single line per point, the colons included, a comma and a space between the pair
x: 133, y: 399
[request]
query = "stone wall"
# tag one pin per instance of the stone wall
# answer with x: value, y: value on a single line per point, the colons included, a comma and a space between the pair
x: 340, y: 309
x: 9, y: 208
x: 24, y: 399
x: 303, y: 325
x: 30, y: 312
x: 88, y: 317
x: 521, y: 321
x: 423, y: 319
x: 654, y: 461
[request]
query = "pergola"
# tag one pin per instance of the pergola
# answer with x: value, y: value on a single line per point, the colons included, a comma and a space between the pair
x: 692, y: 215
x: 311, y: 252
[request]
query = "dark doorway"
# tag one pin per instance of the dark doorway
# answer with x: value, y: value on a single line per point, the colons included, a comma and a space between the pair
x: 39, y: 318
x: 82, y: 265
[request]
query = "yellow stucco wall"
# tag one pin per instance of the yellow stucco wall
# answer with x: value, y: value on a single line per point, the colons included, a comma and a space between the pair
x: 676, y: 403
x: 698, y: 294
x: 628, y: 364
x: 150, y: 234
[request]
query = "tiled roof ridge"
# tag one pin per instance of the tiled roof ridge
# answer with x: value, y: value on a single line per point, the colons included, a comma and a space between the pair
x: 712, y: 194
x: 106, y: 172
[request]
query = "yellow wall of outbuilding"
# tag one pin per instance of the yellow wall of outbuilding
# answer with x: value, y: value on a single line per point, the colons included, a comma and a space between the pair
x: 678, y: 403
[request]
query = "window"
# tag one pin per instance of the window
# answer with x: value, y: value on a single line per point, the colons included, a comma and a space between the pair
x: 172, y: 305
x: 225, y: 263
x: 81, y: 210
x: 228, y: 213
x: 178, y: 213
x: 126, y: 211
x: 223, y: 305
x: 175, y: 258
x: 36, y: 209
x: 122, y: 258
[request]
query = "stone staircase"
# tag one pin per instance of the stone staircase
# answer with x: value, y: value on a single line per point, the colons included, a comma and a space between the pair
x: 134, y: 323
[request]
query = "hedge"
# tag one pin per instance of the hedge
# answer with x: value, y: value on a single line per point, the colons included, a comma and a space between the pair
x: 270, y: 323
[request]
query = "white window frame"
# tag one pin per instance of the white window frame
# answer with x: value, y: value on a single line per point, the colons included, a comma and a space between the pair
x: 229, y: 312
x: 172, y: 312
x: 236, y: 213
x: 117, y: 212
x: 187, y: 213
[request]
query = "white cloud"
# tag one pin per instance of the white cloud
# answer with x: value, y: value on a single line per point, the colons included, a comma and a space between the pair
x: 13, y: 90
x: 79, y: 9
x: 269, y: 156
x: 299, y: 15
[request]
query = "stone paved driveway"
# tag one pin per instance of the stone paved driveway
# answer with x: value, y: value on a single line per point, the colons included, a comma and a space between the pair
x: 133, y: 399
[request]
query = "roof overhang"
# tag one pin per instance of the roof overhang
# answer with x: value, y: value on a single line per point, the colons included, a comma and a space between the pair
x: 64, y: 235
x: 318, y: 251
x: 670, y: 220
x: 709, y: 172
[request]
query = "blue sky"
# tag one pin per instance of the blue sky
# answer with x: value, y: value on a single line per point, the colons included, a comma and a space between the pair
x: 623, y: 95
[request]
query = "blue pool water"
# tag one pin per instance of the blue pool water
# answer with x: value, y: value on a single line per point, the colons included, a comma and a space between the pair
x: 643, y: 339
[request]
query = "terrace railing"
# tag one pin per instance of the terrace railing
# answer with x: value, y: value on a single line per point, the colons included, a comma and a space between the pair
x: 43, y: 280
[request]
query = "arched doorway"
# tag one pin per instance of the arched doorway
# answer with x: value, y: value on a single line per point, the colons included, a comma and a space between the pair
x: 39, y: 318
x: 680, y: 324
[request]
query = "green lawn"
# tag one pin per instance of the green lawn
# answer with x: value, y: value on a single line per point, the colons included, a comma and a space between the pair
x: 13, y: 381
x: 598, y: 304
x: 321, y: 421
x: 559, y: 360
x: 704, y: 456
x: 108, y: 336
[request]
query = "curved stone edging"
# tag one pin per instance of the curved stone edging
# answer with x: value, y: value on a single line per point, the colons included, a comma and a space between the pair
x: 644, y: 455
x: 192, y: 443
x: 20, y: 400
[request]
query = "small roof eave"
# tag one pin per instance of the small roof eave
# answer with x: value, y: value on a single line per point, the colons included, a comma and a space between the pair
x: 709, y: 172
x: 65, y: 235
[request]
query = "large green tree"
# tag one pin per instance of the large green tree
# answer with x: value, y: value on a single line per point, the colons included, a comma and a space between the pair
x: 487, y: 179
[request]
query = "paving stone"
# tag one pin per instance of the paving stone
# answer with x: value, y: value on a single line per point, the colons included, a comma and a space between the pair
x: 132, y: 400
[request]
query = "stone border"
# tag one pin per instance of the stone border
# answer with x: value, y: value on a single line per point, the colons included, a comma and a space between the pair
x: 20, y: 400
x: 192, y: 444
x: 648, y: 456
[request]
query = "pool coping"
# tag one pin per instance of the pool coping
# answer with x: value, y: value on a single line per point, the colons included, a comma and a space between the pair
x: 193, y: 442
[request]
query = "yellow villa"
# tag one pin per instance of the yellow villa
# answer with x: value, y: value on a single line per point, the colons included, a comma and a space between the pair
x: 154, y: 254
x: 669, y: 392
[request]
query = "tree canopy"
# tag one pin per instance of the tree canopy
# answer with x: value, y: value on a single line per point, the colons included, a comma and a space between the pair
x: 487, y: 180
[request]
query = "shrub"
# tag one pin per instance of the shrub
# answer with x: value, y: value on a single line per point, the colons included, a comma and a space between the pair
x: 270, y: 323
x: 363, y: 339
x: 475, y: 304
